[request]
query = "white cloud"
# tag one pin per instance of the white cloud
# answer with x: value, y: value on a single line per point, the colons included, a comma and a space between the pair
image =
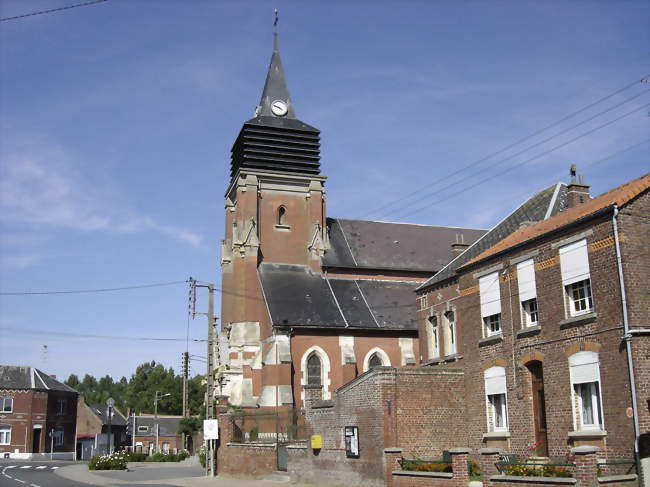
x: 43, y: 188
x: 19, y: 262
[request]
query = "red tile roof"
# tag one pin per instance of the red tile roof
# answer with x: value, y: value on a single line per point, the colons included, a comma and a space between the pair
x: 619, y: 196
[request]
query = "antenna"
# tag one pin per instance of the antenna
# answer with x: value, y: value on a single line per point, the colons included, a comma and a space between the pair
x: 275, y: 22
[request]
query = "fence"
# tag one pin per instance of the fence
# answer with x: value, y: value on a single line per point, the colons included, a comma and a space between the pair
x: 283, y: 426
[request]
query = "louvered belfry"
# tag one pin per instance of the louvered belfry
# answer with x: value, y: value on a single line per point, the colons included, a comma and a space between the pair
x: 276, y: 142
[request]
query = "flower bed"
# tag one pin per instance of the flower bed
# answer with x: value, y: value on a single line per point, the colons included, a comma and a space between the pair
x: 114, y: 461
x: 424, y: 466
x: 522, y: 470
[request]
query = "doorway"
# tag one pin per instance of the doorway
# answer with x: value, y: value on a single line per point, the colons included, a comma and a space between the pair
x: 36, y: 440
x: 539, y: 407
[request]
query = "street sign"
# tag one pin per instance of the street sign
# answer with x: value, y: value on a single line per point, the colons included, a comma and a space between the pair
x: 210, y: 429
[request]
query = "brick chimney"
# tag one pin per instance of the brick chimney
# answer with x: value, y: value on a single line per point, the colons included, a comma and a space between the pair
x: 577, y: 190
x: 459, y: 246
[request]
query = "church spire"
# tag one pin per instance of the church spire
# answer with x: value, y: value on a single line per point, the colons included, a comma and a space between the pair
x: 275, y: 101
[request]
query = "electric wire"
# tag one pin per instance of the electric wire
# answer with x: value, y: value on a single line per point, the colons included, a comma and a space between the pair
x: 504, y: 149
x: 31, y: 331
x: 40, y: 12
x: 100, y: 290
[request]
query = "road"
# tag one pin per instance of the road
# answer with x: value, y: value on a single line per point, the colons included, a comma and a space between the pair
x: 33, y: 474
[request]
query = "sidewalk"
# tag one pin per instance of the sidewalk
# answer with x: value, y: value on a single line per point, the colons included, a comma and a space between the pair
x: 155, y: 473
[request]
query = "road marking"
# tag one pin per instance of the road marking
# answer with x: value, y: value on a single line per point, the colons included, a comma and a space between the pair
x: 12, y: 466
x: 21, y: 481
x: 9, y: 476
x: 34, y: 485
x: 26, y: 466
x: 41, y: 467
x: 54, y: 468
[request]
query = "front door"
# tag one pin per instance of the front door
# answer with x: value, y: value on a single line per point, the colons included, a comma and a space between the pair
x: 539, y: 407
x: 36, y: 442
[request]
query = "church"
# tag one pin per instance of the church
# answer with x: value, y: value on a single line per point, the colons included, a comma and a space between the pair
x: 310, y: 299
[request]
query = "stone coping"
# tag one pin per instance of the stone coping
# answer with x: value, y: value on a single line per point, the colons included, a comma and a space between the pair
x: 533, y: 480
x: 617, y: 478
x: 435, y: 475
x: 587, y: 434
x: 252, y: 445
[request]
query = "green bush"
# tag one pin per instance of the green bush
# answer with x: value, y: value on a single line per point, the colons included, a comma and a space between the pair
x: 536, y: 471
x: 115, y: 461
x: 137, y: 457
x: 202, y: 456
x: 424, y: 466
x: 168, y: 457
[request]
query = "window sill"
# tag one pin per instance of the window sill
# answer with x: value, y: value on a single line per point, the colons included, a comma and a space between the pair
x: 529, y: 331
x: 587, y: 434
x: 496, y: 435
x: 579, y: 320
x: 283, y: 228
x: 491, y: 340
x: 452, y: 358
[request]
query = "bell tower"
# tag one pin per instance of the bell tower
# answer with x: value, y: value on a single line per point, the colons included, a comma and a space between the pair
x: 275, y: 212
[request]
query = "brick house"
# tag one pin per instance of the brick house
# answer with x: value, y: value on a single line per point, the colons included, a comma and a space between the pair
x: 92, y: 429
x: 38, y: 414
x: 309, y: 299
x: 551, y: 344
x: 143, y: 433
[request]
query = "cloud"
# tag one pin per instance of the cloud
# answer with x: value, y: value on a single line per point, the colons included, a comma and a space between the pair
x: 43, y: 188
x: 19, y: 262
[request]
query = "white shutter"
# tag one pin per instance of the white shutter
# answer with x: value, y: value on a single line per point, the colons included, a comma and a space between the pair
x: 490, y: 295
x: 495, y: 381
x: 574, y: 262
x: 526, y: 280
x: 584, y: 367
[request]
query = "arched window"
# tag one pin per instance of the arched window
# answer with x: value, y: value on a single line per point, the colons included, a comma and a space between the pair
x: 432, y: 331
x: 450, y: 333
x: 282, y: 216
x: 375, y: 361
x: 314, y: 370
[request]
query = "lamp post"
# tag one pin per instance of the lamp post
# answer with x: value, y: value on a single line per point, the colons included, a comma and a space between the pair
x: 155, y: 413
x: 109, y: 410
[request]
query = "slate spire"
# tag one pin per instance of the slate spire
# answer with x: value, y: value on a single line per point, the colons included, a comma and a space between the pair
x: 275, y: 89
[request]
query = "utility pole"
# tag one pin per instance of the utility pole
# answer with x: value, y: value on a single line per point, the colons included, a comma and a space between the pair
x: 155, y: 413
x: 186, y: 373
x: 213, y: 362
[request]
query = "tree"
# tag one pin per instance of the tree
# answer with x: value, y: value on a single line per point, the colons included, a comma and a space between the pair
x: 189, y: 425
x: 72, y: 381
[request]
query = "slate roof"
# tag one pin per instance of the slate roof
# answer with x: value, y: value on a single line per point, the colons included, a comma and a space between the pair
x: 25, y: 377
x: 297, y: 296
x: 617, y: 196
x: 392, y: 246
x: 168, y: 425
x: 542, y: 205
x: 100, y: 410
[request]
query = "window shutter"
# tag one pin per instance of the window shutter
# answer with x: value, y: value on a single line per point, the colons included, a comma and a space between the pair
x: 495, y: 381
x: 526, y: 280
x: 490, y: 295
x: 584, y: 367
x: 574, y: 262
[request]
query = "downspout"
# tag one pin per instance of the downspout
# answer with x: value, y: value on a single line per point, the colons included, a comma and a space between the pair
x: 627, y: 335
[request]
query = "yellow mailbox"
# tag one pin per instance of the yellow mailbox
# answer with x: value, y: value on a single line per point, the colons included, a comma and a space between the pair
x: 316, y: 442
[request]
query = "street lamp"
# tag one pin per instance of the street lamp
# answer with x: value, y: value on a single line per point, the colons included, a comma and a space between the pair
x: 155, y: 409
x: 109, y: 410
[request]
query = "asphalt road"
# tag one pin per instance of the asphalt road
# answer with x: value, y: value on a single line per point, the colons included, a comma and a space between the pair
x: 33, y: 474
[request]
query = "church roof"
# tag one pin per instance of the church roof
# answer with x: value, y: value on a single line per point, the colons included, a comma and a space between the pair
x: 297, y: 296
x: 25, y: 377
x: 393, y: 246
x: 542, y: 205
x: 275, y: 86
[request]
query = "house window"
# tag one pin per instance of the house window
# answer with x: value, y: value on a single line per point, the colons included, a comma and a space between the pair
x: 61, y: 406
x: 495, y: 399
x: 7, y: 404
x: 527, y: 292
x: 424, y: 301
x: 586, y: 399
x: 450, y: 333
x: 375, y: 361
x: 576, y: 278
x: 432, y: 332
x: 314, y: 375
x: 492, y: 325
x: 490, y: 297
x: 143, y: 429
x: 58, y: 437
x: 5, y: 434
x: 529, y: 312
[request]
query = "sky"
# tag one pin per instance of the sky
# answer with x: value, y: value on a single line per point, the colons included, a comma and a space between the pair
x: 117, y: 119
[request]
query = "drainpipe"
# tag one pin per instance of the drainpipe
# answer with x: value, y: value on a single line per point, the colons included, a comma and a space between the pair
x: 627, y: 336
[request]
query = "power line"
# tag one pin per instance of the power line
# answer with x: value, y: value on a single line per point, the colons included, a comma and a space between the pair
x: 500, y: 151
x: 53, y: 10
x: 28, y: 331
x: 559, y: 146
x: 101, y: 290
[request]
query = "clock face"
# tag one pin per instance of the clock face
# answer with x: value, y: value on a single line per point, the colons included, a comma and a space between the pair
x: 279, y: 108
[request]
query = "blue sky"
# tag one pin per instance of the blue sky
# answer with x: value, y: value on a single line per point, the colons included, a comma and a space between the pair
x: 116, y: 122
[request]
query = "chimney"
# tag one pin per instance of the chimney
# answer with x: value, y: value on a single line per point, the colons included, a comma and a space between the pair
x: 459, y: 246
x: 577, y: 190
